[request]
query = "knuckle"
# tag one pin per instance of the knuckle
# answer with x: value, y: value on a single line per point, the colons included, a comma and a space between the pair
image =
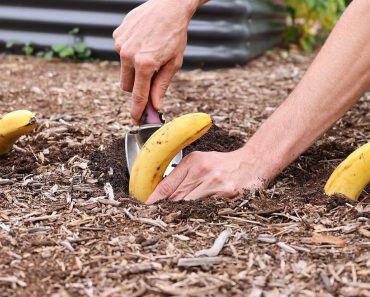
x: 139, y: 98
x: 191, y: 157
x: 144, y: 64
x: 178, y: 63
x: 203, y: 168
x: 217, y: 178
x: 115, y: 33
x: 165, y: 188
x: 125, y: 54
x: 163, y: 85
x: 117, y: 47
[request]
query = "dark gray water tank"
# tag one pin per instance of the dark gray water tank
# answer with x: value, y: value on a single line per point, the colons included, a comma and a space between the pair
x: 222, y: 33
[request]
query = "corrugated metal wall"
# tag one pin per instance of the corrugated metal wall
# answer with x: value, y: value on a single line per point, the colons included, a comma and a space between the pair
x: 223, y: 32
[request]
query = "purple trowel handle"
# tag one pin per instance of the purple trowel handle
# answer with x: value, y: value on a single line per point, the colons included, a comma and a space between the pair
x: 150, y: 115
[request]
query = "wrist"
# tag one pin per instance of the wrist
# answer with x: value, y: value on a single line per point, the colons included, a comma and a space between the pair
x: 264, y: 165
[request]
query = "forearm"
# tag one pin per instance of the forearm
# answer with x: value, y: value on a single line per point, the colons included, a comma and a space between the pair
x: 195, y: 4
x: 337, y: 78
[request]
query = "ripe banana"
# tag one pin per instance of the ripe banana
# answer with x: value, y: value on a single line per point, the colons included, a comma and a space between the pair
x: 352, y: 175
x: 12, y: 126
x: 161, y: 148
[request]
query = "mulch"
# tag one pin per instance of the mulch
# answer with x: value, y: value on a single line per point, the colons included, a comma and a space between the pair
x: 69, y: 228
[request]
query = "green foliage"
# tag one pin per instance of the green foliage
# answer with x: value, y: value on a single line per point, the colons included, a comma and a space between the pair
x: 311, y: 20
x: 28, y: 49
x: 10, y: 43
x: 77, y: 51
x: 74, y: 31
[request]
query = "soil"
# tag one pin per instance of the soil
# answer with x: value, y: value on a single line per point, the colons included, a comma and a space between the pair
x: 114, y: 157
x: 60, y: 235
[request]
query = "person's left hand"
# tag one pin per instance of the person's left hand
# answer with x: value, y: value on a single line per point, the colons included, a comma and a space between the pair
x: 205, y: 174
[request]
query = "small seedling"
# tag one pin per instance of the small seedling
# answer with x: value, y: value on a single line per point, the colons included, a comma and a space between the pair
x: 28, y: 49
x: 77, y: 51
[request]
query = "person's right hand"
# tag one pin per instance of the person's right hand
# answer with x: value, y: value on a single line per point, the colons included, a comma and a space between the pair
x: 151, y: 41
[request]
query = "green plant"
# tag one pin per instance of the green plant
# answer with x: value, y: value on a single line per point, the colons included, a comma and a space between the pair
x: 76, y: 51
x: 28, y: 49
x: 311, y: 20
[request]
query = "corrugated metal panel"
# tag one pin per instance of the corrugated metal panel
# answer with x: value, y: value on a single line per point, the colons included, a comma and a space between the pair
x: 223, y: 32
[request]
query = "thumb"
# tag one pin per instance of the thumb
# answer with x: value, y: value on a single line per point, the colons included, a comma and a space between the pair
x: 169, y: 184
x: 161, y: 83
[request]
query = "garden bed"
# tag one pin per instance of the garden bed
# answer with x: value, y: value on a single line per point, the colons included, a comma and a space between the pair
x: 67, y: 238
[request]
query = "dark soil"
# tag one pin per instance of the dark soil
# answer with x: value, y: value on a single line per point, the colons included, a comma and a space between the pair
x: 114, y: 156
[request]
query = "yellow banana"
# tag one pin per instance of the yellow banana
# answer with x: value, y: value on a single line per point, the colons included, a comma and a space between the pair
x: 161, y: 148
x: 12, y: 126
x: 352, y: 175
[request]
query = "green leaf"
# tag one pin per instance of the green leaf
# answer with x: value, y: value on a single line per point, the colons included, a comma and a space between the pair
x: 40, y: 54
x: 67, y: 52
x: 27, y: 49
x: 291, y: 34
x: 59, y: 47
x: 85, y: 55
x: 312, y: 19
x: 74, y: 31
x: 310, y: 3
x: 48, y: 55
x: 308, y: 43
x: 10, y: 43
x: 80, y: 47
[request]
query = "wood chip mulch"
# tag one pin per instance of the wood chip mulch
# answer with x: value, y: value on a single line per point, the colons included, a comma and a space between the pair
x: 68, y: 227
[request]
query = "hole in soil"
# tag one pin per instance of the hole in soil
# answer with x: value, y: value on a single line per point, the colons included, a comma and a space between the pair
x: 114, y: 156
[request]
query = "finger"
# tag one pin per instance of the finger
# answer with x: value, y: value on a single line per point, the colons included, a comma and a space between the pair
x: 162, y: 82
x: 127, y: 76
x: 205, y: 191
x: 187, y: 186
x: 169, y: 184
x: 140, y: 92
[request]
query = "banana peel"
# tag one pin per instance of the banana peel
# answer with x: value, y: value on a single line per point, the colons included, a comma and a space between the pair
x: 158, y: 151
x: 13, y: 125
x: 352, y: 175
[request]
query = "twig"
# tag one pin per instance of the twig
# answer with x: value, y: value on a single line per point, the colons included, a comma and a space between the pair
x: 67, y: 245
x: 217, y: 245
x: 6, y: 228
x: 200, y: 261
x: 5, y: 181
x: 244, y: 220
x: 109, y: 191
x: 142, y: 267
x: 163, y: 235
x: 266, y: 238
x: 157, y: 223
x: 14, y: 281
x: 286, y: 247
x: 92, y: 228
x: 109, y: 202
x: 43, y: 218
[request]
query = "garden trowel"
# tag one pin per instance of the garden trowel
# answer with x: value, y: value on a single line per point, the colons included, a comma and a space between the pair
x: 150, y: 122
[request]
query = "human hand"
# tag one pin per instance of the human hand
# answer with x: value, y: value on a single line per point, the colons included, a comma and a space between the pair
x: 205, y: 174
x: 151, y: 42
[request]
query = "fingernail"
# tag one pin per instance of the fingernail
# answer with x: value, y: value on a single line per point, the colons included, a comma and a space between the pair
x: 160, y: 104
